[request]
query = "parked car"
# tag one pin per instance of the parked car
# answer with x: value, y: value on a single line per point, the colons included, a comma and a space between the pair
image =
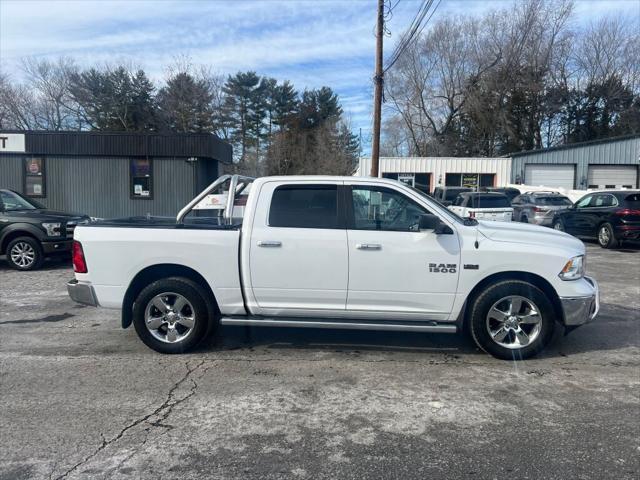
x: 611, y: 217
x: 483, y: 206
x: 539, y: 207
x: 334, y: 252
x: 508, y: 191
x: 446, y: 195
x: 29, y: 231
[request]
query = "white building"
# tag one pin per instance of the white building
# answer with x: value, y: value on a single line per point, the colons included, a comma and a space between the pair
x: 426, y: 173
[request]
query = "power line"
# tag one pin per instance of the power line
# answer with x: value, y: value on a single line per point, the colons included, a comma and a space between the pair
x: 415, y: 30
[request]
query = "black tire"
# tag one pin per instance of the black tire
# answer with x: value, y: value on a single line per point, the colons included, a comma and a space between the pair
x: 606, y: 237
x: 196, y: 297
x: 559, y: 225
x: 25, y: 263
x: 478, y: 320
x: 524, y: 219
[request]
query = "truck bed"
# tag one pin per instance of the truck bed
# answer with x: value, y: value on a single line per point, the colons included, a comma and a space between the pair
x: 194, y: 223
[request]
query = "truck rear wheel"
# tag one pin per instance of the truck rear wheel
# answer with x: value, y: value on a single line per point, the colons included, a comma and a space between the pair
x: 512, y: 320
x: 171, y: 315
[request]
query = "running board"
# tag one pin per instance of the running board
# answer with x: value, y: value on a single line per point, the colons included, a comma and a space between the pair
x: 340, y: 324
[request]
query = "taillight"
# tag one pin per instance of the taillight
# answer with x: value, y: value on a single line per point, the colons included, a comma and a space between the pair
x: 79, y: 263
x: 626, y: 211
x: 539, y: 210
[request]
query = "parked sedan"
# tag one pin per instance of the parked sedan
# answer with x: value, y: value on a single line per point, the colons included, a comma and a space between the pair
x: 483, y: 206
x: 611, y: 217
x: 539, y: 207
x: 29, y: 231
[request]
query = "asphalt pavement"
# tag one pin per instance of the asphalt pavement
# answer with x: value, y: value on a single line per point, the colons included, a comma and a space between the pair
x: 82, y: 398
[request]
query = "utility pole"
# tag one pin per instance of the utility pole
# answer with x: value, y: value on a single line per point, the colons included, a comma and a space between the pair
x: 377, y: 96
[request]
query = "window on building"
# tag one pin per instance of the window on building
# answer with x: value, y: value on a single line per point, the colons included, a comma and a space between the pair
x: 469, y: 180
x: 377, y: 208
x: 141, y: 178
x: 305, y: 206
x: 35, y: 179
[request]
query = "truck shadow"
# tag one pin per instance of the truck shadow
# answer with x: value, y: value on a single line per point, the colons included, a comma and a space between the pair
x: 341, y: 340
x: 615, y: 328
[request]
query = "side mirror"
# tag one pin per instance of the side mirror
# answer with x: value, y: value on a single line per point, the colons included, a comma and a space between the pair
x: 433, y: 222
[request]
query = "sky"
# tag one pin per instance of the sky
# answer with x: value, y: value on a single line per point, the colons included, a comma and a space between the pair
x: 310, y: 42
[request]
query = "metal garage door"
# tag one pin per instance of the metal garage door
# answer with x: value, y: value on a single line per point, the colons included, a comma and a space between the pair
x: 613, y: 176
x: 550, y: 175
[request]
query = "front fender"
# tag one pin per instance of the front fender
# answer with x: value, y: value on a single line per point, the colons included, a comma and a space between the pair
x: 10, y: 231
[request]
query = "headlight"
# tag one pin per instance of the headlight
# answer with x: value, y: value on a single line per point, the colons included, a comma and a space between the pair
x: 574, y: 269
x: 53, y: 229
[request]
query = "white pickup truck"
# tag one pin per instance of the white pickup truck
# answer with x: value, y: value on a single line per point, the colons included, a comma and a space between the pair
x: 332, y: 252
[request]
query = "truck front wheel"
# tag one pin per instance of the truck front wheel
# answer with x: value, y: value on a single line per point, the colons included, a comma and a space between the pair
x: 170, y: 315
x: 512, y: 320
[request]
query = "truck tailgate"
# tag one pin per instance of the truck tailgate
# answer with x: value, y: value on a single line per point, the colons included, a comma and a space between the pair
x: 116, y: 254
x: 493, y: 214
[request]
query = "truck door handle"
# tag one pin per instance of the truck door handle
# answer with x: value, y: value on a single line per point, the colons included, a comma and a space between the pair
x: 269, y: 243
x: 368, y: 246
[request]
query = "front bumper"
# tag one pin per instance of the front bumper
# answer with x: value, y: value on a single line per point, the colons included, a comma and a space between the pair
x: 82, y: 293
x: 545, y: 221
x: 580, y: 310
x: 56, y: 246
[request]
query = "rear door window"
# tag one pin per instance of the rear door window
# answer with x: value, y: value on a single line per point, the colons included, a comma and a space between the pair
x: 553, y: 201
x: 305, y: 206
x: 490, y: 201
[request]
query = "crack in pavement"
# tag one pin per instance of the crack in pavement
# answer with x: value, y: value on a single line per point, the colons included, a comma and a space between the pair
x: 164, y: 409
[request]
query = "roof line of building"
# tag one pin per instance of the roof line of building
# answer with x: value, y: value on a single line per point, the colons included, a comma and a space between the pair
x: 574, y: 145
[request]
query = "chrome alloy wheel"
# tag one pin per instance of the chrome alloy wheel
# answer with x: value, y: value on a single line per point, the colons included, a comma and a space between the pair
x: 603, y: 235
x: 514, y: 322
x: 23, y: 254
x: 169, y: 317
x: 558, y: 226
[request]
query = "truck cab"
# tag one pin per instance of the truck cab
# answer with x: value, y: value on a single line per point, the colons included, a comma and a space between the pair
x: 333, y: 252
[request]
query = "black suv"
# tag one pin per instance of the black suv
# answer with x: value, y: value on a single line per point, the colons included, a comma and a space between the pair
x: 29, y: 231
x: 609, y: 216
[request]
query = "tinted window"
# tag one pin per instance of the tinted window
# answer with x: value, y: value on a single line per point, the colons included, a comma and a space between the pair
x: 584, y: 201
x: 490, y: 201
x: 632, y: 201
x: 384, y: 209
x: 604, y: 200
x: 13, y: 201
x: 553, y: 201
x: 454, y: 192
x: 305, y: 206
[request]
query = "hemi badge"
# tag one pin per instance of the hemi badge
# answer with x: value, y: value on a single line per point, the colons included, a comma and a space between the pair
x: 469, y: 266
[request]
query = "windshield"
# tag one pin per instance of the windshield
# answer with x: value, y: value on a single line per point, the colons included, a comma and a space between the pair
x: 553, y: 201
x: 490, y: 201
x: 13, y: 201
x: 451, y: 194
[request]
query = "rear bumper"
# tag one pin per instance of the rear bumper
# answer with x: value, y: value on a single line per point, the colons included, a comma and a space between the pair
x: 82, y: 293
x: 545, y: 221
x: 60, y: 246
x: 628, y: 232
x: 580, y: 310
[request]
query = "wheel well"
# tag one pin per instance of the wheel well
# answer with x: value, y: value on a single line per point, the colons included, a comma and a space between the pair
x: 532, y: 278
x: 157, y: 272
x: 15, y: 234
